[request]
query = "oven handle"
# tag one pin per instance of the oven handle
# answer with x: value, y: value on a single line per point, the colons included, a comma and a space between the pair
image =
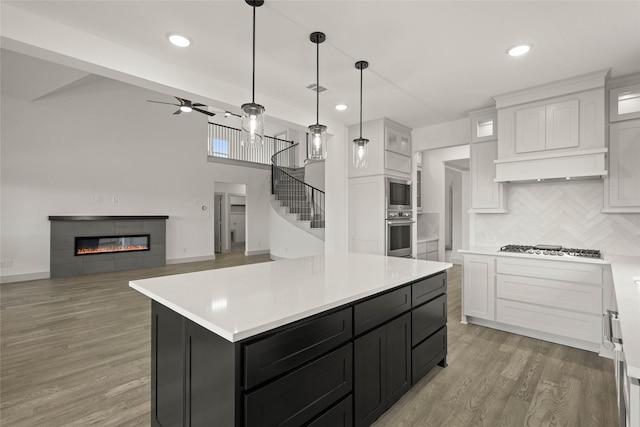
x: 399, y: 222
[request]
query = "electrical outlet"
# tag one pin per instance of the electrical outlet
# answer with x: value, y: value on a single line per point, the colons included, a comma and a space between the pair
x: 115, y: 199
x: 6, y: 263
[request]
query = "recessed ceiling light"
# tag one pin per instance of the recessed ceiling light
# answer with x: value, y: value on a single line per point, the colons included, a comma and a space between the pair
x: 519, y: 50
x: 341, y: 107
x: 178, y: 40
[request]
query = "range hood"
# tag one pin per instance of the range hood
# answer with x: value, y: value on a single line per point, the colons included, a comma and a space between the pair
x: 567, y: 165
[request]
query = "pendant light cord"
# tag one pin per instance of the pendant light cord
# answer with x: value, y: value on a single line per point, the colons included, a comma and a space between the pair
x: 317, y: 83
x: 253, y: 81
x: 360, y: 103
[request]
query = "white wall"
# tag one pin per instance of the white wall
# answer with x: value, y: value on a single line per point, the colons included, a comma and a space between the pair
x: 449, y: 134
x: 104, y: 141
x: 288, y: 241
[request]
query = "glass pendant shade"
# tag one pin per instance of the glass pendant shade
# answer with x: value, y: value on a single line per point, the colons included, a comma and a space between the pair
x: 360, y: 151
x: 252, y: 124
x: 317, y: 142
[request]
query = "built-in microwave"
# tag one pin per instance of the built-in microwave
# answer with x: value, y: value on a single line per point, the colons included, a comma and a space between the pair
x: 398, y: 194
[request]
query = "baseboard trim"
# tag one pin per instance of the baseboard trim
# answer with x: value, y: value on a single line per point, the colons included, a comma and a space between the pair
x: 24, y: 277
x: 260, y: 252
x: 190, y: 259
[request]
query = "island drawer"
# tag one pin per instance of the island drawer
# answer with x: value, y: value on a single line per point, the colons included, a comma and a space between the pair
x: 341, y: 415
x: 428, y: 318
x: 428, y: 354
x: 297, y: 397
x: 375, y: 311
x: 290, y: 348
x: 427, y: 289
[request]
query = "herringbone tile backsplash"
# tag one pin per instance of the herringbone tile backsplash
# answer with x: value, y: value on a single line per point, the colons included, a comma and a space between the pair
x: 560, y: 213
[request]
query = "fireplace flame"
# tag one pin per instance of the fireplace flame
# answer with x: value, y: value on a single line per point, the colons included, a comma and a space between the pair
x: 111, y: 248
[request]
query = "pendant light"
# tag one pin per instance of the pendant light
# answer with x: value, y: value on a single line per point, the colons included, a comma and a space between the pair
x: 317, y: 148
x: 360, y: 144
x: 252, y: 113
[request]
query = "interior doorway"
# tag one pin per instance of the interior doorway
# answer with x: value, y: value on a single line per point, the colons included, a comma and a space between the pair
x: 456, y: 174
x: 230, y: 225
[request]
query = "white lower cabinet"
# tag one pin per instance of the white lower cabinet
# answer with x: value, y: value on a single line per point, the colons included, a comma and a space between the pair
x: 547, y: 299
x: 478, y: 290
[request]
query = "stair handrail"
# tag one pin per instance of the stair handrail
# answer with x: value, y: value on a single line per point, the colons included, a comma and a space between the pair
x: 317, y: 195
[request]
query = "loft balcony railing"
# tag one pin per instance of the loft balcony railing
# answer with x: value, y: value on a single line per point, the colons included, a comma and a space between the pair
x: 224, y: 143
x: 299, y: 197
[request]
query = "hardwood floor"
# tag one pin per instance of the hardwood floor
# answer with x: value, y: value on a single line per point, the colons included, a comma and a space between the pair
x: 77, y: 352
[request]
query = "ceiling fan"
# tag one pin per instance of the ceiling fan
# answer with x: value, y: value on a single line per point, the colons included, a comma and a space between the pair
x: 186, y: 106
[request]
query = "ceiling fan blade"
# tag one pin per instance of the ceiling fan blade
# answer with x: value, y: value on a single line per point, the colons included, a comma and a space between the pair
x: 160, y: 102
x: 197, y: 104
x: 180, y: 100
x: 208, y: 113
x: 178, y: 111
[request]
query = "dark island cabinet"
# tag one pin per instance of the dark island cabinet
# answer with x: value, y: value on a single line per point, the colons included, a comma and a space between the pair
x: 339, y: 368
x: 382, y: 369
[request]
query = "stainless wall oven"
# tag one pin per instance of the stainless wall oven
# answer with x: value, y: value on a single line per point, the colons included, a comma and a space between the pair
x: 399, y: 228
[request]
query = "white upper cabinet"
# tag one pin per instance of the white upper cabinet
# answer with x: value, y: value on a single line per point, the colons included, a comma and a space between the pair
x: 624, y: 103
x: 622, y: 186
x: 389, y: 149
x: 487, y: 196
x: 553, y: 131
x: 561, y: 124
x: 530, y: 130
x: 484, y: 125
x: 397, y: 141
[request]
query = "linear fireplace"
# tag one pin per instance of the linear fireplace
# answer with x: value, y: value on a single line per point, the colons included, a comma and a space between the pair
x: 107, y: 244
x: 115, y: 243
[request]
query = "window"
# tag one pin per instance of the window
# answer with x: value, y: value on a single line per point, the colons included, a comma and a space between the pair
x: 220, y: 148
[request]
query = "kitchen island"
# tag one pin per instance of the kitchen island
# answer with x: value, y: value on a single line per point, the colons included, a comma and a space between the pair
x: 325, y: 340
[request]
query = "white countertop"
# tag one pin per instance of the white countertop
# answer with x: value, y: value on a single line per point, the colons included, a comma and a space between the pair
x: 427, y: 239
x: 240, y: 302
x: 624, y: 270
x: 493, y: 250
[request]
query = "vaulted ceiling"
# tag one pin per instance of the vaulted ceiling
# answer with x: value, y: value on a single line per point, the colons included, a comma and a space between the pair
x: 430, y: 61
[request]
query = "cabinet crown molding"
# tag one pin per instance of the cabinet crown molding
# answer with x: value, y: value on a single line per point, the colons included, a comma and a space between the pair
x: 576, y: 84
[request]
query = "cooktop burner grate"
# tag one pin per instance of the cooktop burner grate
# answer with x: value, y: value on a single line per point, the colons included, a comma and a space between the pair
x: 554, y: 250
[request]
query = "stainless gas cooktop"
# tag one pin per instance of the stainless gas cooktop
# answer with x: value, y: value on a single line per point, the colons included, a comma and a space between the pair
x: 553, y: 250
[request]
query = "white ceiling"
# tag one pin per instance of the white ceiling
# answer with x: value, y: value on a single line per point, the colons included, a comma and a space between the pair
x: 430, y: 61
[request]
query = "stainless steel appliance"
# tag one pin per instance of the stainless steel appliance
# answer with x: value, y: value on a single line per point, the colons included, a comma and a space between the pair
x: 553, y: 250
x: 398, y: 194
x: 614, y: 339
x: 399, y: 227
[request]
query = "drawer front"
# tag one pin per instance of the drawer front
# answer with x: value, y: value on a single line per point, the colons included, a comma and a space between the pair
x: 428, y: 318
x: 371, y: 313
x: 568, y: 324
x: 428, y: 354
x: 548, y: 269
x: 553, y: 293
x: 427, y: 289
x: 296, y: 398
x: 279, y: 353
x: 340, y: 415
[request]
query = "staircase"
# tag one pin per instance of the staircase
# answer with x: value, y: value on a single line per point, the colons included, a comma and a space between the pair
x: 295, y: 200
